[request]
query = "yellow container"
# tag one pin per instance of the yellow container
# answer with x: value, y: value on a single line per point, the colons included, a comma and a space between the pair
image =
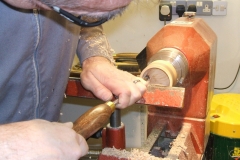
x: 224, y: 140
x: 225, y: 115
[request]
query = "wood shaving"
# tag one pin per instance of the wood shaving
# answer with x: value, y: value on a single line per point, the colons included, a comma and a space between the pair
x: 134, y: 154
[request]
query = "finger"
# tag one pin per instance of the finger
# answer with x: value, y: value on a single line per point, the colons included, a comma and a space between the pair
x: 97, y: 88
x: 141, y: 85
x: 136, y: 93
x: 83, y: 145
x: 136, y: 88
x: 128, y: 96
x: 123, y: 101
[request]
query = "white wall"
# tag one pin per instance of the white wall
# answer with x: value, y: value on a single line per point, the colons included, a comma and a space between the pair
x: 131, y: 31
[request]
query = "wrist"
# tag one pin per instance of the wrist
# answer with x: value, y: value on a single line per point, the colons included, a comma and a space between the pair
x: 96, y: 60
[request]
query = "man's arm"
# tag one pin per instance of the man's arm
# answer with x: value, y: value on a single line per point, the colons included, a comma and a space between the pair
x: 40, y: 139
x: 93, y: 42
x: 99, y: 74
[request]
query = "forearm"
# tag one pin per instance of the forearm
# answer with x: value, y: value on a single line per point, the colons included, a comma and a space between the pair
x: 92, y: 43
x: 27, y: 4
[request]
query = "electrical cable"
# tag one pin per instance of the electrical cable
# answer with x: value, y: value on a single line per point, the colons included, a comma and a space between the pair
x: 77, y: 20
x: 232, y: 81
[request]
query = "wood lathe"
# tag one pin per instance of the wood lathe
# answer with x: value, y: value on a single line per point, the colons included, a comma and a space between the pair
x: 181, y: 57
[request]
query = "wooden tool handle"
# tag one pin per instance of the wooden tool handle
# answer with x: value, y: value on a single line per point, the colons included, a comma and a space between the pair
x: 94, y: 119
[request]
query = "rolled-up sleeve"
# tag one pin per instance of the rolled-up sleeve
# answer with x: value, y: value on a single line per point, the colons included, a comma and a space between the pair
x: 93, y: 42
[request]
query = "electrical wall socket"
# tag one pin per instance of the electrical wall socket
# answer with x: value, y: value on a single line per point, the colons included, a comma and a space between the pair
x: 204, y: 7
x: 175, y: 3
x: 219, y: 8
x: 165, y: 12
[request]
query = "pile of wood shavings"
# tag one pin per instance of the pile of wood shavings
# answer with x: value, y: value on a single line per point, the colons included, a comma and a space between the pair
x: 134, y: 154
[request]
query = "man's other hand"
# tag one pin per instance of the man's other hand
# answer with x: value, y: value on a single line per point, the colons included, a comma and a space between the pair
x: 40, y: 139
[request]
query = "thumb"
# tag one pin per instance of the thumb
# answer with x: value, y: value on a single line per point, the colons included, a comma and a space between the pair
x: 68, y: 124
x: 83, y: 145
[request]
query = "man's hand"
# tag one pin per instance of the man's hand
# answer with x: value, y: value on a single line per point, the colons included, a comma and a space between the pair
x: 40, y: 139
x: 105, y: 80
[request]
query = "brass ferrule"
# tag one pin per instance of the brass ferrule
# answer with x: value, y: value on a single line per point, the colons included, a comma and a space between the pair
x: 111, y: 105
